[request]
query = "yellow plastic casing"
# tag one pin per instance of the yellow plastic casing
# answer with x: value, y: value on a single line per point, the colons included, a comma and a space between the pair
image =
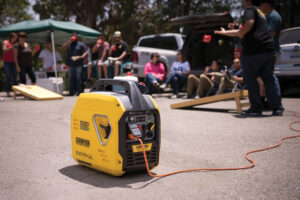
x: 87, y: 149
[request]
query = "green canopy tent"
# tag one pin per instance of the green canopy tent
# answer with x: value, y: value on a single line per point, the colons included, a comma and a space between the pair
x: 43, y: 32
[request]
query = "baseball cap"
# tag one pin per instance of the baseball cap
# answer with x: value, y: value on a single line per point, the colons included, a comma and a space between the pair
x: 117, y: 34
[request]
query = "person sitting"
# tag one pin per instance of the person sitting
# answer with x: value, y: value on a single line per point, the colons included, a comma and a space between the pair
x: 98, y: 58
x: 206, y: 81
x: 231, y: 77
x: 117, y: 52
x: 155, y: 72
x: 178, y: 74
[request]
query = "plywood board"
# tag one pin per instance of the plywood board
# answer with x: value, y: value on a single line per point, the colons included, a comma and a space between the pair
x: 36, y: 92
x: 211, y: 99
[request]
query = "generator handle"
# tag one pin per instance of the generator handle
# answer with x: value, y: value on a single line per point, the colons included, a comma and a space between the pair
x: 131, y: 90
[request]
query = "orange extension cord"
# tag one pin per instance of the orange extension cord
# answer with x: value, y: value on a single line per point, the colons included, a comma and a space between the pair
x: 234, y: 168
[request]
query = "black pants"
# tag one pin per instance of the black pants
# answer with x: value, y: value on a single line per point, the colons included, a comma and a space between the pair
x: 29, y: 71
x: 261, y: 65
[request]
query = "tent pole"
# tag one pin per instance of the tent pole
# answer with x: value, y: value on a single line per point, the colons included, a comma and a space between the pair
x: 54, y: 60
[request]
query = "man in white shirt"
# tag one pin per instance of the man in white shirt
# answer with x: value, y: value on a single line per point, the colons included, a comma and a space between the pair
x: 46, y: 55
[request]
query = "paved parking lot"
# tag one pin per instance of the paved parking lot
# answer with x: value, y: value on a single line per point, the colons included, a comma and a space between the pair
x: 36, y: 162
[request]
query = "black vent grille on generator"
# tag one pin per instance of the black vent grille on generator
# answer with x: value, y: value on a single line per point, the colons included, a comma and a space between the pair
x: 136, y: 159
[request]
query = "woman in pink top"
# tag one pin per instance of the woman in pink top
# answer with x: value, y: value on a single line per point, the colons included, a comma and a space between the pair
x: 9, y: 61
x: 155, y: 72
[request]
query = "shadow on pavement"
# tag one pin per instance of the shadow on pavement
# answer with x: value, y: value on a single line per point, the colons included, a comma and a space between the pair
x: 99, y: 179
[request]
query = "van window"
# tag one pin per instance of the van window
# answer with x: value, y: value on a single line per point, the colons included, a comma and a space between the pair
x: 159, y: 42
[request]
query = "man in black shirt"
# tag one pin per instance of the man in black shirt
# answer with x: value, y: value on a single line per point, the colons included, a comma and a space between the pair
x: 258, y: 58
x: 117, y: 53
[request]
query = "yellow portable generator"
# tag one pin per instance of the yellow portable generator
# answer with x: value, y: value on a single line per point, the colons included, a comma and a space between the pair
x: 103, y: 121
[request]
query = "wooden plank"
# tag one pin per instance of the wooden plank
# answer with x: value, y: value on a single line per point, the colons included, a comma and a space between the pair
x: 210, y: 99
x: 36, y: 92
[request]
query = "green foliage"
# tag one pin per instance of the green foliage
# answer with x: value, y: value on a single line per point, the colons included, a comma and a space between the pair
x: 12, y: 11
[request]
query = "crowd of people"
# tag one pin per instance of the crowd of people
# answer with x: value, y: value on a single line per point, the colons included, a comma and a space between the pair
x: 260, y: 33
x: 18, y: 56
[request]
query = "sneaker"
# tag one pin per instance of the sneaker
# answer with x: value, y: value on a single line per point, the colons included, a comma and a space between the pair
x: 278, y: 112
x: 8, y: 94
x: 174, y: 96
x: 163, y: 86
x: 155, y: 83
x: 187, y: 97
x: 197, y: 97
x: 251, y: 113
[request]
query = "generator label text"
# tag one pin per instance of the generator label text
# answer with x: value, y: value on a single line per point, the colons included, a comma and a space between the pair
x: 82, y: 142
x: 84, y: 126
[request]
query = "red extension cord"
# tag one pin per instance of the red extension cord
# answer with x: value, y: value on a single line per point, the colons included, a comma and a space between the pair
x: 294, y: 114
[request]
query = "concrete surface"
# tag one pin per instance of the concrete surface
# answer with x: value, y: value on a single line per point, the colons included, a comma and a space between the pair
x: 36, y: 162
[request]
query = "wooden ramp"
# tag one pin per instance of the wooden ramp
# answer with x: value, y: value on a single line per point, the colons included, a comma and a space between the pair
x: 36, y: 92
x: 237, y: 96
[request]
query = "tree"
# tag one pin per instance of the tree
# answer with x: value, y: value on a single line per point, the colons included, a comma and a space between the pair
x: 12, y: 11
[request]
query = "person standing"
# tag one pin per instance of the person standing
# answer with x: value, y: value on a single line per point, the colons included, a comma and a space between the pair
x: 155, y: 72
x: 23, y: 58
x: 258, y: 58
x: 46, y: 55
x: 9, y: 62
x: 117, y: 52
x: 76, y: 52
x: 178, y: 74
x: 274, y: 25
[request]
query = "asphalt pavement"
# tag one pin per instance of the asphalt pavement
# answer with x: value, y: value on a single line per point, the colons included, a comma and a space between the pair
x: 36, y: 161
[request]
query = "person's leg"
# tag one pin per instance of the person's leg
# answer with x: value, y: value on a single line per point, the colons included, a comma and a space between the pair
x: 170, y: 78
x: 7, y: 70
x: 149, y: 81
x: 31, y: 75
x: 222, y: 85
x: 14, y: 74
x: 277, y: 89
x: 117, y: 65
x: 273, y: 96
x: 205, y: 83
x: 89, y: 70
x: 251, y: 66
x: 99, y: 67
x: 23, y: 75
x: 78, y: 73
x: 175, y: 85
x: 71, y: 74
x: 192, y: 82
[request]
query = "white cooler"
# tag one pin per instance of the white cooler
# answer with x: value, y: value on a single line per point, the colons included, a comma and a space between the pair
x: 50, y: 84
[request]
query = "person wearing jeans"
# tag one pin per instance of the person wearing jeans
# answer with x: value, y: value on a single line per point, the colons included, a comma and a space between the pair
x: 258, y: 58
x: 9, y: 61
x: 76, y: 52
x: 154, y: 72
x: 179, y: 71
x: 23, y: 57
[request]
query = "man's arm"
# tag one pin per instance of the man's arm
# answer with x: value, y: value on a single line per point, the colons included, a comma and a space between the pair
x: 65, y: 45
x: 16, y: 59
x: 5, y: 48
x: 237, y: 32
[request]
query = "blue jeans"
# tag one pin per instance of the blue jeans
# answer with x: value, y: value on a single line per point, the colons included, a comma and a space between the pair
x: 149, y: 80
x: 176, y: 78
x: 75, y: 80
x: 10, y: 71
x: 29, y: 71
x: 261, y: 65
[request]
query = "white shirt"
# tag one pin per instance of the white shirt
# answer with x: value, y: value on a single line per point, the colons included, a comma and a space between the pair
x: 179, y: 66
x: 47, y: 57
